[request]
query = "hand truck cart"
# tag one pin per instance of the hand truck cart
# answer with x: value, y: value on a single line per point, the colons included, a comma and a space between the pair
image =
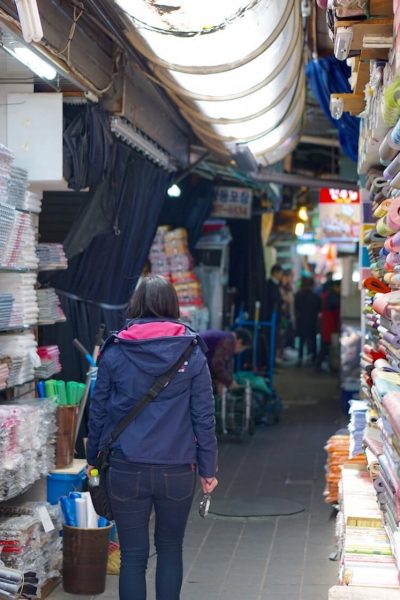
x: 234, y: 412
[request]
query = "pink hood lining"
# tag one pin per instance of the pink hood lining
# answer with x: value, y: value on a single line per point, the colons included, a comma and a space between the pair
x: 148, y: 331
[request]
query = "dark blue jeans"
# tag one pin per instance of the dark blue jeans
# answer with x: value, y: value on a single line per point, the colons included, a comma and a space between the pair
x: 134, y: 489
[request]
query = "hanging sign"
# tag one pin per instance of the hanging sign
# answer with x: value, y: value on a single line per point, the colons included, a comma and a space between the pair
x: 339, y: 213
x: 232, y: 203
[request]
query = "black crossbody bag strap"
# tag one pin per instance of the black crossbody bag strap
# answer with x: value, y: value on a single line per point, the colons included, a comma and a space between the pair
x: 160, y: 384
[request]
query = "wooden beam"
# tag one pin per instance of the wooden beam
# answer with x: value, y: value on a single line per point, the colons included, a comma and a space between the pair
x: 362, y: 77
x: 370, y: 27
x: 381, y: 8
x: 374, y: 54
x: 353, y: 103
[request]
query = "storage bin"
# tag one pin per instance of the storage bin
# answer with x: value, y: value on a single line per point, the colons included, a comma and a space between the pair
x: 85, y: 556
x: 61, y: 482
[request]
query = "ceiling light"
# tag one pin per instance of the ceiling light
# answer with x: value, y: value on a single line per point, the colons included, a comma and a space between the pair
x: 29, y: 18
x: 303, y: 214
x: 31, y: 60
x: 299, y: 231
x: 174, y: 191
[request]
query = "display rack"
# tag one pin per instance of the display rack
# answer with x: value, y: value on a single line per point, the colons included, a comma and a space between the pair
x: 28, y: 425
x: 369, y: 546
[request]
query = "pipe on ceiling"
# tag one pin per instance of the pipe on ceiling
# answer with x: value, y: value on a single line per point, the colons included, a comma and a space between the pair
x: 293, y: 180
x: 318, y: 140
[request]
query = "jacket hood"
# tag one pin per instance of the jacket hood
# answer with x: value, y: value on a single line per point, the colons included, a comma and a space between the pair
x: 153, y: 346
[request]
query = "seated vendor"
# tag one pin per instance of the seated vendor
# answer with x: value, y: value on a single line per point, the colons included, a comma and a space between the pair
x: 222, y: 347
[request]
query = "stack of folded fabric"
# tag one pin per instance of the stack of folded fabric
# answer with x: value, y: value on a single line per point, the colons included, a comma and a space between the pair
x: 6, y: 305
x: 4, y: 374
x: 19, y: 243
x: 51, y: 257
x: 20, y: 353
x: 338, y: 450
x: 17, y: 186
x: 22, y: 287
x: 170, y: 258
x: 157, y: 257
x: 6, y: 159
x: 358, y: 418
x: 183, y: 277
x: 50, y: 362
x: 33, y: 202
x: 50, y: 310
x: 366, y: 557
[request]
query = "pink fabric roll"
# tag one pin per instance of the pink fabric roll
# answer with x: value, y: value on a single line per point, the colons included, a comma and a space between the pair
x: 382, y: 303
x: 391, y: 403
x: 322, y: 4
x: 393, y: 242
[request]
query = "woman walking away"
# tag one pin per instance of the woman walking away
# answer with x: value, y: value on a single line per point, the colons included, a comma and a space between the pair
x: 154, y: 461
x: 307, y: 309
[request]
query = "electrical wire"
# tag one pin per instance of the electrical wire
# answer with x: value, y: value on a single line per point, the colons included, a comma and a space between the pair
x: 72, y: 32
x: 189, y: 34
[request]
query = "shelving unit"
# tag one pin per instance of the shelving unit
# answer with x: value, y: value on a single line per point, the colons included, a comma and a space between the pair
x: 370, y: 552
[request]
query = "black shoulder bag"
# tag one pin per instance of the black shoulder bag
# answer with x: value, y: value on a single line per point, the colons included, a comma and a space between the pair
x: 98, y: 493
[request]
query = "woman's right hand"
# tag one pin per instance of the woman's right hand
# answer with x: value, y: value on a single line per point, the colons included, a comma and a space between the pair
x: 208, y: 484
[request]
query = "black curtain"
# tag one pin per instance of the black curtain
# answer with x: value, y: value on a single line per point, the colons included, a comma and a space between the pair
x: 99, y: 280
x: 247, y: 268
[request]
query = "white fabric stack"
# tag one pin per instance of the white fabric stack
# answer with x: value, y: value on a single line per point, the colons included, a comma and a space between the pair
x: 51, y: 257
x: 17, y: 185
x: 22, y: 288
x: 50, y: 310
x: 33, y: 202
x: 6, y: 159
x: 4, y: 374
x: 18, y: 243
x: 21, y: 350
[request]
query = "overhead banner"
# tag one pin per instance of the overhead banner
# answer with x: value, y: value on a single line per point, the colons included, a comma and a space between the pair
x: 232, y: 203
x: 340, y: 215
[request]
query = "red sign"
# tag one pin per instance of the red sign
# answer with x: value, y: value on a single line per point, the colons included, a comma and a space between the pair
x: 338, y: 196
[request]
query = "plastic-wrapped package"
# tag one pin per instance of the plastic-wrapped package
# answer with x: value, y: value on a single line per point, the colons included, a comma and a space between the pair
x: 30, y: 549
x: 27, y: 436
x: 19, y: 351
x: 25, y: 308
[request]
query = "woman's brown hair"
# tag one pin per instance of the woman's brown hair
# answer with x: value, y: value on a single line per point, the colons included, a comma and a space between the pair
x: 154, y: 297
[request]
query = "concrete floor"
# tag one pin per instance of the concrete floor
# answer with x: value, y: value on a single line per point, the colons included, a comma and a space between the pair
x: 274, y: 558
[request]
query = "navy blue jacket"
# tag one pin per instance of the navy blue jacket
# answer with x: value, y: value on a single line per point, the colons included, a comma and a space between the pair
x: 178, y: 427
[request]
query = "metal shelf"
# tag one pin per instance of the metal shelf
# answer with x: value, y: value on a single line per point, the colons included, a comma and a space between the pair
x: 4, y: 269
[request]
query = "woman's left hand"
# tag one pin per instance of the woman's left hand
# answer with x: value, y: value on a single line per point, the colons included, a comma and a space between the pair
x: 89, y: 469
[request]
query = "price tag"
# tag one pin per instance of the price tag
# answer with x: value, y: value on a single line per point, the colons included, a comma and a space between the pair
x: 45, y: 518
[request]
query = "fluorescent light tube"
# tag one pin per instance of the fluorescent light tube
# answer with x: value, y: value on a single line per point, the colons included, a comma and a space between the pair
x: 31, y: 60
x: 29, y: 17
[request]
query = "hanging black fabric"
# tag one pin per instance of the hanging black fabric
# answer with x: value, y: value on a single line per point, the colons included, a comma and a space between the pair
x: 107, y: 271
x: 87, y: 146
x: 247, y: 268
x: 131, y: 199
